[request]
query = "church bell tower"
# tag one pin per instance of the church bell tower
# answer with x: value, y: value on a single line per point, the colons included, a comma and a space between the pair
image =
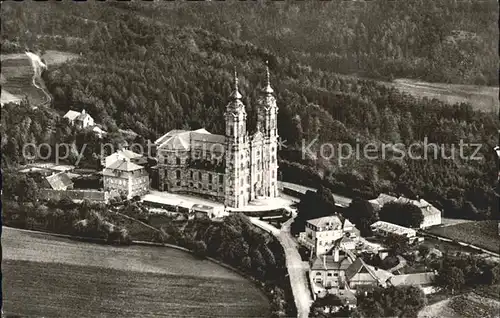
x: 267, y: 118
x: 236, y: 152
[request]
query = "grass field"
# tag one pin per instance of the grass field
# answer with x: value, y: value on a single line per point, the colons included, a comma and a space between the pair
x: 483, y: 234
x: 44, y: 276
x: 483, y: 98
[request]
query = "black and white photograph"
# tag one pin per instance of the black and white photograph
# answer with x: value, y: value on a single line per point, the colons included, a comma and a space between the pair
x: 250, y: 159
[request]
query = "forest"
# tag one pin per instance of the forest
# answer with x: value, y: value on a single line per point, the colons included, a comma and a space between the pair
x: 153, y: 67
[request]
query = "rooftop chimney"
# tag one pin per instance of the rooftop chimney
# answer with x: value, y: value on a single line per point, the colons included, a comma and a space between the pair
x: 336, y: 254
x: 83, y: 111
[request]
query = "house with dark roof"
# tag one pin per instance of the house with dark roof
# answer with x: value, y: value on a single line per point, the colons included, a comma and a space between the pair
x: 58, y: 181
x: 342, y: 271
x: 125, y: 177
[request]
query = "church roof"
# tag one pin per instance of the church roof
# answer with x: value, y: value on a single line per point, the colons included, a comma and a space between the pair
x: 185, y: 140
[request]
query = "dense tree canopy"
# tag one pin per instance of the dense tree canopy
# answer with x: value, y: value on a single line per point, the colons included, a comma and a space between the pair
x: 404, y: 214
x: 153, y: 67
x: 362, y: 214
x: 311, y: 206
x: 405, y: 301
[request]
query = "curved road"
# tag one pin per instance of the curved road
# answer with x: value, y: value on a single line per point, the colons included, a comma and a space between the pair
x: 297, y: 269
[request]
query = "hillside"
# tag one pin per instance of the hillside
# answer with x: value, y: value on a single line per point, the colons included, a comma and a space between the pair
x: 159, y: 66
x: 17, y: 75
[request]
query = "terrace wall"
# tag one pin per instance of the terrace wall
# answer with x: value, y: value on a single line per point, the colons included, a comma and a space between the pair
x: 92, y: 195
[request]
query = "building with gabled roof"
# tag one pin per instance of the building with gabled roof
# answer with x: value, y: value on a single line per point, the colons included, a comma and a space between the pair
x: 432, y: 215
x: 234, y: 168
x: 341, y: 271
x: 125, y: 177
x: 415, y: 279
x: 124, y: 154
x: 80, y: 119
x: 59, y: 181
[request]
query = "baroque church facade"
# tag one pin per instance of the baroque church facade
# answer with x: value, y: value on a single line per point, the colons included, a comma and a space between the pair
x: 234, y: 168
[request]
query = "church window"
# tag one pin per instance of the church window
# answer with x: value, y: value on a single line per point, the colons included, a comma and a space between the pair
x: 221, y: 179
x: 177, y: 161
x: 200, y: 186
x: 191, y: 184
x: 248, y: 164
x: 242, y: 166
x: 199, y: 175
x: 318, y: 274
x: 272, y: 159
x: 191, y: 173
x: 329, y: 274
x: 178, y: 174
x: 241, y: 182
x: 258, y: 164
x: 210, y: 187
x: 178, y: 183
x: 210, y: 178
x: 273, y: 173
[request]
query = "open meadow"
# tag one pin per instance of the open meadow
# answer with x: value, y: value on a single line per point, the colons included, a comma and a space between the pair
x: 45, y: 276
x: 483, y: 234
x: 482, y: 98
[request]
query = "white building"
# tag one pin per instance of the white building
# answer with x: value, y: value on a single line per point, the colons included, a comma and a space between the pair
x: 321, y: 234
x: 80, y: 120
x: 384, y: 229
x: 125, y: 177
x: 234, y: 168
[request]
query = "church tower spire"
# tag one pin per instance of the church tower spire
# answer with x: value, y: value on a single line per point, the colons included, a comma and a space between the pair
x: 235, y: 94
x: 267, y: 88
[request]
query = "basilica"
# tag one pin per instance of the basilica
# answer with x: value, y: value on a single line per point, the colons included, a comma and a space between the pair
x: 234, y: 168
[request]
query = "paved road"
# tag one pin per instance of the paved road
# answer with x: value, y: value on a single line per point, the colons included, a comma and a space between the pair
x: 339, y: 199
x: 297, y: 269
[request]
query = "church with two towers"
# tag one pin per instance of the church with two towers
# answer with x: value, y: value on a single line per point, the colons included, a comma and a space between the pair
x: 234, y: 168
